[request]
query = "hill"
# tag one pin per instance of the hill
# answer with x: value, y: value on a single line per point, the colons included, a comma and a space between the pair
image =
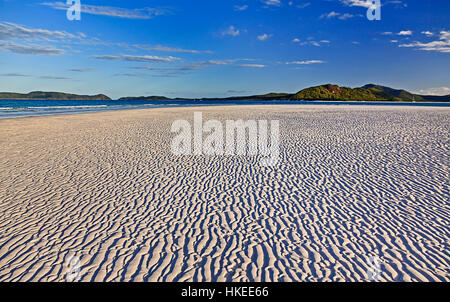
x: 145, y: 98
x: 41, y: 95
x: 265, y: 97
x: 333, y: 92
x: 398, y: 93
x: 369, y: 92
x: 328, y: 92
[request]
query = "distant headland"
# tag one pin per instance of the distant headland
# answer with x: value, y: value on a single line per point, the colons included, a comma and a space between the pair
x: 328, y: 92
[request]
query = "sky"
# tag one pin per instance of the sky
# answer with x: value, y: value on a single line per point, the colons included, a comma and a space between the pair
x: 212, y: 48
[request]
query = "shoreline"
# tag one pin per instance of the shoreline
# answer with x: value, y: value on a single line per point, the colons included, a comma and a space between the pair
x: 315, y: 103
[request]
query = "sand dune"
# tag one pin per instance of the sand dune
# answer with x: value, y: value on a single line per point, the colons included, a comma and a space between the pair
x: 352, y: 182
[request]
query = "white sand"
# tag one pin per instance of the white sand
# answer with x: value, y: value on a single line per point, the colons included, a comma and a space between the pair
x: 352, y: 182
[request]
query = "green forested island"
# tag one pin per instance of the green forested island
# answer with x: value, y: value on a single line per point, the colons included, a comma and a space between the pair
x: 368, y: 92
x: 41, y: 95
x: 328, y: 92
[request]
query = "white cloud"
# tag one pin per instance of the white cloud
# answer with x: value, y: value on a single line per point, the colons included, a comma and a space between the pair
x: 240, y: 7
x: 196, y: 65
x: 345, y: 16
x: 303, y: 5
x: 427, y: 33
x: 204, y: 64
x: 252, y: 65
x: 149, y: 58
x: 33, y: 49
x: 132, y: 58
x: 162, y: 48
x: 264, y: 37
x: 11, y: 34
x: 334, y: 14
x: 14, y: 31
x: 272, y: 2
x: 441, y: 45
x: 435, y: 91
x: 231, y: 31
x: 118, y: 12
x: 370, y: 4
x: 306, y: 62
x: 218, y: 62
x: 310, y: 41
x: 405, y: 33
x: 359, y: 3
x: 329, y: 15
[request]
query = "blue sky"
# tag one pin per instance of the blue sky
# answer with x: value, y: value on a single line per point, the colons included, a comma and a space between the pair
x: 222, y: 48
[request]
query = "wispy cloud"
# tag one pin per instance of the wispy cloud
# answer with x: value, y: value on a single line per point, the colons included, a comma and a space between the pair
x: 345, y: 16
x: 329, y: 15
x: 81, y: 69
x: 405, y: 33
x: 306, y: 62
x: 32, y: 49
x: 132, y: 58
x: 162, y: 48
x: 271, y: 2
x: 197, y: 65
x: 252, y: 65
x: 302, y: 5
x: 240, y: 7
x: 231, y: 31
x: 16, y: 38
x: 441, y: 45
x: 369, y: 4
x: 435, y: 91
x: 215, y: 62
x: 427, y: 33
x: 111, y: 11
x: 14, y: 74
x: 236, y: 91
x: 54, y: 78
x: 358, y: 3
x: 334, y: 14
x: 310, y: 41
x: 44, y: 77
x: 12, y: 31
x: 144, y: 75
x: 264, y: 37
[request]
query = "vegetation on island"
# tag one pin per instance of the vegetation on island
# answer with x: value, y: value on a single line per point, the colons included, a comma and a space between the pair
x: 41, y: 95
x: 328, y: 92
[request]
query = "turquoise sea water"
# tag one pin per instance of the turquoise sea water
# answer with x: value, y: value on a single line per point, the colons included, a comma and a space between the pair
x: 26, y: 108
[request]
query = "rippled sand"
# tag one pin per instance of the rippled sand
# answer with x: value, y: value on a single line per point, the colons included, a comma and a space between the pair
x: 352, y: 183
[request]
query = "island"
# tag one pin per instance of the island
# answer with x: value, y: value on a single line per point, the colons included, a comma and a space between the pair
x: 328, y: 92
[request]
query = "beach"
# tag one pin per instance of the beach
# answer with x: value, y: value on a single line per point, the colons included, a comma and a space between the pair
x: 357, y: 190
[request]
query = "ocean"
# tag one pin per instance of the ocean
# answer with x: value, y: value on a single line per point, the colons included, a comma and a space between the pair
x: 28, y: 108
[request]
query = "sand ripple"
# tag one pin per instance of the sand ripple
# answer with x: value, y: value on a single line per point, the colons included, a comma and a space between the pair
x: 351, y: 183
